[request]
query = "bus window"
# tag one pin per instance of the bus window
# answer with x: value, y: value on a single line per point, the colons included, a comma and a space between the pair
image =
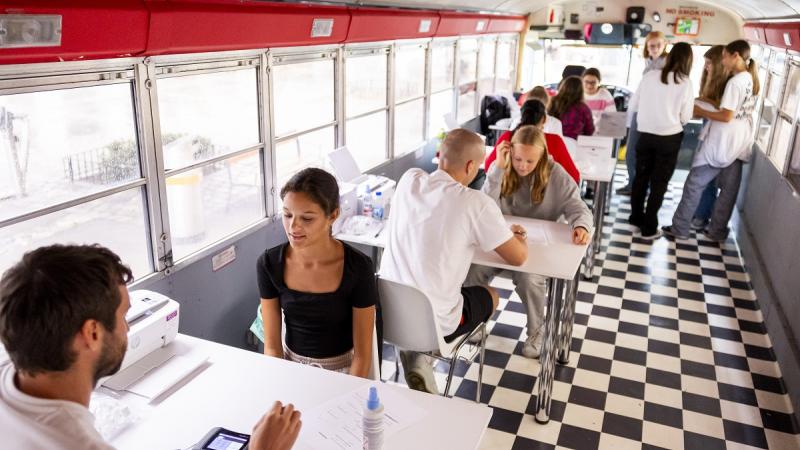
x: 486, y: 67
x: 467, y: 79
x: 299, y: 140
x: 205, y: 116
x: 611, y: 60
x: 366, y: 103
x: 506, y: 59
x: 409, y: 96
x: 442, y: 72
x: 217, y: 111
x: 118, y: 221
x: 77, y: 145
x: 65, y: 144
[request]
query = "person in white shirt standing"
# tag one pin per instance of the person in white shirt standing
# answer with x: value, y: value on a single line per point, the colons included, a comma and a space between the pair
x: 62, y: 321
x: 663, y: 103
x: 437, y: 224
x: 727, y: 144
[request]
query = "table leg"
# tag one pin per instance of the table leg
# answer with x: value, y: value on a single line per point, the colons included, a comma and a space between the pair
x: 547, y: 359
x: 597, y: 211
x: 567, y: 319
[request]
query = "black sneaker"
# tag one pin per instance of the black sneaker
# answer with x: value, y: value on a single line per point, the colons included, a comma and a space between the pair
x: 668, y: 231
x: 624, y: 190
x: 714, y: 238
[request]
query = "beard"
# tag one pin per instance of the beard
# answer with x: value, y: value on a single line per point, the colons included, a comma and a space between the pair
x: 111, y: 357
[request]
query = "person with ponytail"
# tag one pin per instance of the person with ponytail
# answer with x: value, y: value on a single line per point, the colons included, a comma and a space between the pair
x: 712, y: 86
x: 660, y: 134
x: 533, y: 113
x: 727, y: 144
x: 526, y: 182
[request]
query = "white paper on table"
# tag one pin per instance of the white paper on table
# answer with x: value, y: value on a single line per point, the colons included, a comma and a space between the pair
x: 167, y: 375
x: 537, y: 234
x: 336, y: 424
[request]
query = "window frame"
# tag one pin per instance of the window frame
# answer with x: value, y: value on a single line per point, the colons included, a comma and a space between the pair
x: 43, y: 78
x: 143, y: 73
x: 405, y: 45
x: 370, y: 49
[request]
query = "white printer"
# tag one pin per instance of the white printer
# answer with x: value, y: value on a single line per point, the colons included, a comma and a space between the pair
x: 353, y: 185
x: 153, y: 320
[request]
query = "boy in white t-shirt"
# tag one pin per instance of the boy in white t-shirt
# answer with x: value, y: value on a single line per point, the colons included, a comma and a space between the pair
x: 436, y: 225
x: 62, y: 321
x: 726, y: 146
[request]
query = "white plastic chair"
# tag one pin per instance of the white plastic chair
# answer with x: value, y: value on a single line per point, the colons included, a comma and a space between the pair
x: 572, y: 146
x: 410, y: 323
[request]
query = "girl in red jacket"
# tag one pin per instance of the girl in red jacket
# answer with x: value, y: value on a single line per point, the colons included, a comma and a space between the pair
x: 534, y: 113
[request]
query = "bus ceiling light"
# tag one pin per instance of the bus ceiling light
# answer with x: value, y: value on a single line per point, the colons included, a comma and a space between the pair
x: 30, y: 30
x: 656, y: 17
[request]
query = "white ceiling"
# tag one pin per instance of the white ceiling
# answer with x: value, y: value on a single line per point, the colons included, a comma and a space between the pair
x: 746, y: 9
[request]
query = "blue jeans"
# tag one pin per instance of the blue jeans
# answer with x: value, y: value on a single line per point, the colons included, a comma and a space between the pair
x: 707, y: 201
x: 728, y: 180
x: 630, y: 151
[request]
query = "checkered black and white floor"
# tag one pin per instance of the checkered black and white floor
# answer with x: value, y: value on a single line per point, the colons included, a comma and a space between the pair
x: 669, y: 351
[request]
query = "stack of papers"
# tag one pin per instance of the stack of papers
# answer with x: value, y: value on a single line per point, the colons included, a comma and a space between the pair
x: 336, y: 424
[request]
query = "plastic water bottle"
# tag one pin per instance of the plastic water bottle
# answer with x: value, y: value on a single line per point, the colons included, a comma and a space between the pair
x: 367, y: 205
x: 377, y: 206
x: 373, y: 421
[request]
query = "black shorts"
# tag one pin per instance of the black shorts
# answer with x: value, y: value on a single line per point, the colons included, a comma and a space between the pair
x: 477, y: 308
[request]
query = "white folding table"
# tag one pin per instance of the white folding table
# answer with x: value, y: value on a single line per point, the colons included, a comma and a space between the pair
x: 238, y: 386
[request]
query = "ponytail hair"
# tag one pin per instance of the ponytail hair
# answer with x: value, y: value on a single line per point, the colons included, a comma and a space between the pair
x: 531, y: 113
x: 742, y: 48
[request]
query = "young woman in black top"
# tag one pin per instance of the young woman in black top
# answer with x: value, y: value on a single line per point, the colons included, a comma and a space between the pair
x: 325, y: 288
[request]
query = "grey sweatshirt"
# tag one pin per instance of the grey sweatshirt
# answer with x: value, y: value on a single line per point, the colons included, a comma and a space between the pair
x: 561, y: 197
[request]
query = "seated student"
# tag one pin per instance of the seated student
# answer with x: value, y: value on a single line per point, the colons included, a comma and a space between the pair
x: 525, y: 182
x: 436, y: 225
x: 569, y: 107
x: 596, y: 97
x: 533, y: 113
x: 325, y: 287
x: 62, y: 321
x: 552, y: 125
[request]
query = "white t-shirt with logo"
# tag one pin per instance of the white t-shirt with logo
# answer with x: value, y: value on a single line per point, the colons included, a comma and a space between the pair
x: 725, y: 142
x: 33, y: 423
x: 434, y: 229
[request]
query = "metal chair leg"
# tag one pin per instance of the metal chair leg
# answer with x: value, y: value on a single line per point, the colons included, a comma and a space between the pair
x: 450, y: 374
x: 396, y: 364
x: 480, y: 366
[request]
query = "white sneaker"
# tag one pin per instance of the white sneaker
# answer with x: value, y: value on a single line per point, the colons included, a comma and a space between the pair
x: 419, y: 372
x: 533, y: 345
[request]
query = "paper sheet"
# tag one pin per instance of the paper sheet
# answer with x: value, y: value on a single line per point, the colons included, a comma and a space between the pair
x: 537, y: 234
x: 336, y: 424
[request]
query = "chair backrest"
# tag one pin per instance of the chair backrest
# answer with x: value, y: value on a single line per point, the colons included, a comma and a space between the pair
x: 408, y: 318
x: 572, y: 146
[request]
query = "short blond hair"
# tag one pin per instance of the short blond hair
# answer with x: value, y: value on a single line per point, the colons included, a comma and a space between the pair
x: 655, y: 35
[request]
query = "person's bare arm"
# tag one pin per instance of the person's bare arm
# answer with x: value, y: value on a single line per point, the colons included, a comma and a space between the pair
x: 723, y: 115
x: 515, y: 250
x: 271, y: 316
x: 363, y: 325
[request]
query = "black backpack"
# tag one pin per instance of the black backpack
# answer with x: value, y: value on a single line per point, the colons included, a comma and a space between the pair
x: 493, y: 108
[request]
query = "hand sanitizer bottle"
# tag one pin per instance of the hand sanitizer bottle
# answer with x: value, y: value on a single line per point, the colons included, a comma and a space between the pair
x: 373, y: 421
